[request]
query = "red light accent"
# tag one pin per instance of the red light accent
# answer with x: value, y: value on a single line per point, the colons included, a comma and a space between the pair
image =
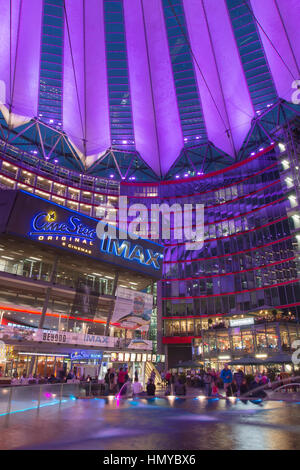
x: 245, y: 195
x: 297, y: 304
x: 195, y: 316
x: 234, y: 254
x: 209, y: 190
x: 230, y: 274
x: 228, y: 236
x: 236, y: 216
x: 232, y: 293
x: 234, y: 200
x: 178, y: 339
x: 56, y: 315
x: 208, y: 175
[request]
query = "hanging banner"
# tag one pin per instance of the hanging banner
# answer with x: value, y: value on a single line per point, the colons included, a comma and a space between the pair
x: 144, y: 344
x: 48, y: 336
x: 21, y: 333
x: 132, y: 309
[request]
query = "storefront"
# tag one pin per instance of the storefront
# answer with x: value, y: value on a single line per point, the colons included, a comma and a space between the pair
x: 219, y: 346
x: 45, y: 364
x: 64, y: 290
x: 46, y: 353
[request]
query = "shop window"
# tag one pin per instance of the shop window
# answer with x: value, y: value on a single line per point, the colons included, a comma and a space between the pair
x: 237, y: 342
x: 190, y: 326
x: 261, y: 340
x: 223, y: 342
x: 183, y: 326
x: 248, y: 342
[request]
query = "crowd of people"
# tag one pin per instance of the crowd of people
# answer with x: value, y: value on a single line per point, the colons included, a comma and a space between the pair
x: 60, y: 377
x: 225, y: 383
x: 211, y: 382
x: 120, y: 382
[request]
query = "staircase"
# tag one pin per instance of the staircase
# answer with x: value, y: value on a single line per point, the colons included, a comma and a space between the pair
x: 148, y: 370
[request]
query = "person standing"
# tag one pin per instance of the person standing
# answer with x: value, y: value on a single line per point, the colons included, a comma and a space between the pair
x: 208, y: 380
x: 239, y: 377
x: 168, y: 378
x: 113, y: 381
x: 106, y: 380
x: 244, y: 387
x: 256, y: 384
x: 226, y: 376
x: 121, y: 378
x: 264, y: 378
x: 180, y: 388
x: 137, y: 387
x: 151, y: 388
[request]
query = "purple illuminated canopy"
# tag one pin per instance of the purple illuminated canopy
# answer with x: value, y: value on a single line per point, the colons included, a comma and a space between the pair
x: 157, y: 126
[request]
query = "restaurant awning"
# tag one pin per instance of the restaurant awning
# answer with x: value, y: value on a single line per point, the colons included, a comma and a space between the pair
x: 247, y: 361
x: 188, y: 365
x: 280, y: 358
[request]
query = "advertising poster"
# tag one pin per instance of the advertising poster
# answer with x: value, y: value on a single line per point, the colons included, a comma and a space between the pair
x: 132, y: 309
x: 145, y: 344
x: 17, y: 332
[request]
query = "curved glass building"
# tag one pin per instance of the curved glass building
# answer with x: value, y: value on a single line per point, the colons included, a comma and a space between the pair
x: 175, y: 102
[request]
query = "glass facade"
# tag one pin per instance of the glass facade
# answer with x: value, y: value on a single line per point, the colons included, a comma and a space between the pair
x: 261, y: 340
x: 121, y: 125
x: 28, y: 270
x: 51, y: 65
x: 249, y: 261
x: 188, y: 99
x: 259, y: 79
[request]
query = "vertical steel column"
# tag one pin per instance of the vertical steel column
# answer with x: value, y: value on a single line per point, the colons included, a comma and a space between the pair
x: 48, y: 293
x: 110, y: 314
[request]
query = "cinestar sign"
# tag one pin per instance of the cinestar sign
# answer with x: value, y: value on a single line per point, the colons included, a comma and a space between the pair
x: 46, y: 223
x: 29, y: 216
x: 74, y: 234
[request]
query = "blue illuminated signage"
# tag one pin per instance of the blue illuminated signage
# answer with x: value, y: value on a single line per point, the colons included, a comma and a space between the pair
x: 131, y: 252
x: 86, y: 355
x: 45, y: 223
x: 74, y: 232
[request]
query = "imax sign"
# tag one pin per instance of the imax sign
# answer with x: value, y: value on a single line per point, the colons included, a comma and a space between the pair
x: 131, y: 252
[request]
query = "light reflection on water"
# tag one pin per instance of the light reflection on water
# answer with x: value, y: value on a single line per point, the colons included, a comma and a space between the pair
x: 173, y: 424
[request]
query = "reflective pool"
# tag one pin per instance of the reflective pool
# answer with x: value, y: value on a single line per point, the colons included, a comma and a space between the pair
x: 156, y: 424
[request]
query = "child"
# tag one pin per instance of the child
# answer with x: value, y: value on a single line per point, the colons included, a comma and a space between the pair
x: 215, y: 390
